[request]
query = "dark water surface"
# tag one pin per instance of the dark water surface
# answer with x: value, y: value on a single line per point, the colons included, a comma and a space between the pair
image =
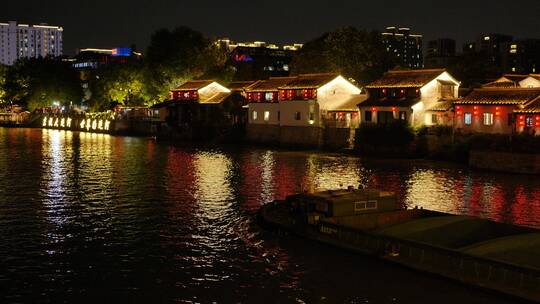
x: 94, y: 218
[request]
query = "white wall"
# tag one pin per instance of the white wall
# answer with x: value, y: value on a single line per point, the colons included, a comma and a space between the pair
x: 431, y: 94
x: 211, y: 90
x: 335, y: 93
x: 261, y: 108
x: 530, y: 82
x: 305, y: 107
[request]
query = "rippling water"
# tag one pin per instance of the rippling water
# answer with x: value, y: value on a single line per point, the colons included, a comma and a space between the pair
x: 90, y: 217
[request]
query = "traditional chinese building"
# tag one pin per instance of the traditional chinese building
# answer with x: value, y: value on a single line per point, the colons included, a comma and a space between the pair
x: 506, y: 81
x: 203, y: 108
x: 493, y: 110
x: 527, y: 117
x: 420, y: 97
x: 300, y: 110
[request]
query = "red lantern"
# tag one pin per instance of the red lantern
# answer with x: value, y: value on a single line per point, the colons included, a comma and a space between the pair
x: 374, y: 109
x: 393, y: 109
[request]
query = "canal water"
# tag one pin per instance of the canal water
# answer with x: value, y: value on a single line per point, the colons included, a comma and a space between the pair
x: 95, y: 218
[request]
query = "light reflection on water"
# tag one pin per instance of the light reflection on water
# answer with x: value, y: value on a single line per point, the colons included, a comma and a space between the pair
x: 90, y: 217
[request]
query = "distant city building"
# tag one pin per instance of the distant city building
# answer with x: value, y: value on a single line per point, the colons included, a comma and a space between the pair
x: 521, y: 56
x: 406, y: 47
x: 29, y: 41
x: 490, y: 46
x: 92, y: 58
x: 440, y: 53
x: 259, y: 60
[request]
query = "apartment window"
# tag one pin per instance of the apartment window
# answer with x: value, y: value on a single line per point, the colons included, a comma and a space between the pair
x: 488, y: 119
x: 468, y: 118
x: 368, y: 116
x: 254, y: 115
x: 297, y: 116
x: 266, y: 115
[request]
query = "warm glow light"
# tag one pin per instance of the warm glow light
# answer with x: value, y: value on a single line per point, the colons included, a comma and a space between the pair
x: 393, y: 109
x: 100, y: 124
x: 107, y: 124
x: 63, y: 122
x: 68, y: 122
x: 88, y: 124
x: 50, y: 121
x: 374, y: 109
x: 82, y: 124
x: 44, y: 121
x: 94, y: 124
x: 56, y: 123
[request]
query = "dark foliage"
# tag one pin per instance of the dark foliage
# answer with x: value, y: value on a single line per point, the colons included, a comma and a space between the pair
x: 351, y: 52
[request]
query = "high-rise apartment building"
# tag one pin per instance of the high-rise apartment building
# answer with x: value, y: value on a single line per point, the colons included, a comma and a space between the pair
x: 406, y: 47
x: 29, y: 41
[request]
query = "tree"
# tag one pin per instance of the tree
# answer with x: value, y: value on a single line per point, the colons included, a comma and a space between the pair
x: 121, y: 83
x: 473, y: 69
x: 42, y: 82
x: 353, y: 53
x: 182, y: 54
x: 3, y: 74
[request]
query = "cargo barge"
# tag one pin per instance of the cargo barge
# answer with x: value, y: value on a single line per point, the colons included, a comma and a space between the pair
x: 474, y: 251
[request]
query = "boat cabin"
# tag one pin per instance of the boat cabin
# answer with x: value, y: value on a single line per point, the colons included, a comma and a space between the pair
x: 343, y: 202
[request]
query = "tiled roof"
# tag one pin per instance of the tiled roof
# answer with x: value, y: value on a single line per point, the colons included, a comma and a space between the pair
x: 389, y: 102
x: 515, y: 77
x: 214, y: 99
x: 350, y: 104
x: 406, y: 79
x: 310, y: 81
x: 271, y: 84
x: 509, y: 96
x: 501, y: 84
x: 533, y: 107
x: 441, y: 106
x: 240, y: 85
x: 193, y: 85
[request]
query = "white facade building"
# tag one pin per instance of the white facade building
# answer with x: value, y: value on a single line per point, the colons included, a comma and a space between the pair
x: 29, y: 41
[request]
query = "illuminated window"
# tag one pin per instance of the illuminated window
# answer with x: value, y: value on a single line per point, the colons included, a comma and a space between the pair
x: 529, y: 121
x: 254, y: 115
x: 266, y: 115
x: 402, y: 115
x: 467, y: 118
x: 269, y: 96
x: 488, y: 119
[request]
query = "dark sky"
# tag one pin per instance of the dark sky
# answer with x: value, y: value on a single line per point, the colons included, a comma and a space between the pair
x: 112, y: 23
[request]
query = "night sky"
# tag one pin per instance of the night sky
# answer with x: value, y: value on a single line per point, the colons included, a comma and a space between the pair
x: 113, y: 23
